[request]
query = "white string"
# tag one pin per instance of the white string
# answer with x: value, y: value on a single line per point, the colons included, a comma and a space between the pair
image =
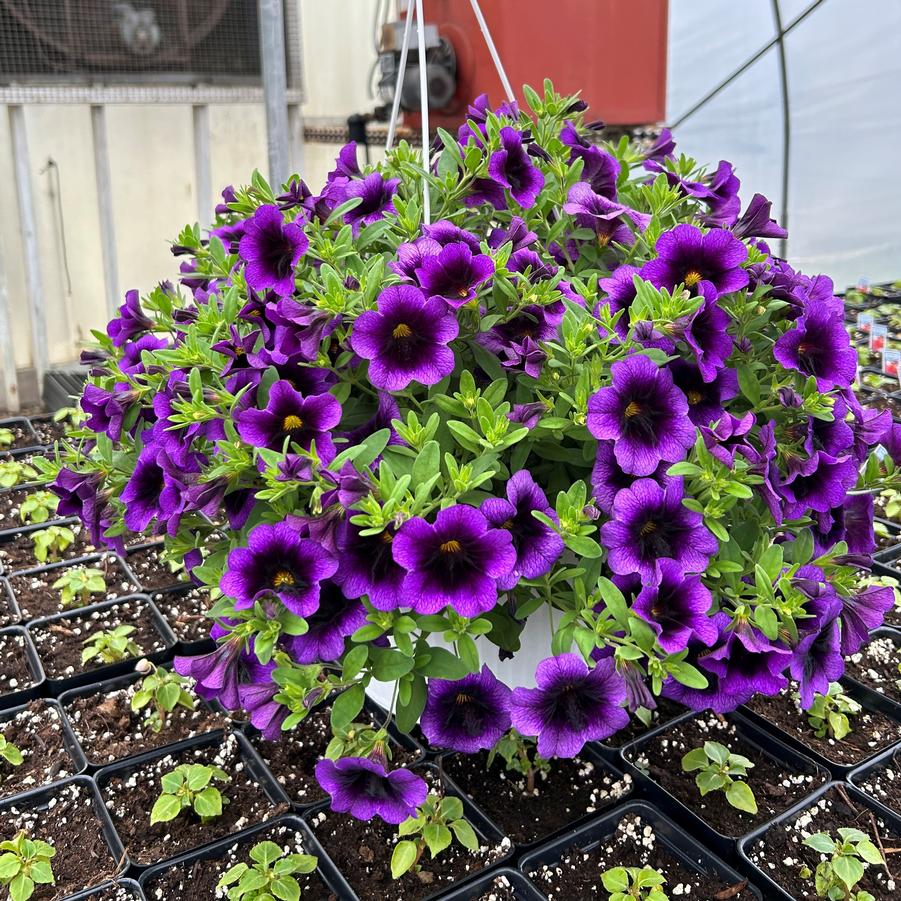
x: 424, y: 107
x: 398, y: 85
x: 493, y: 50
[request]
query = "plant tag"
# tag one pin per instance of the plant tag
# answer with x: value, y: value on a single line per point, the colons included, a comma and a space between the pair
x: 865, y: 322
x: 891, y: 361
x: 878, y: 336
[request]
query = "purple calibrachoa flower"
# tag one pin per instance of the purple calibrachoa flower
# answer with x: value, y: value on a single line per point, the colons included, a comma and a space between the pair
x: 468, y: 714
x: 131, y: 321
x: 454, y: 274
x: 599, y: 169
x: 728, y: 436
x: 861, y: 613
x: 366, y: 565
x: 706, y: 399
x: 335, y: 619
x: 515, y: 340
x: 687, y: 256
x: 620, y: 291
x: 608, y: 478
x: 377, y: 195
x: 537, y: 546
x: 152, y: 491
x: 677, y: 608
x: 456, y: 562
x: 571, y: 705
x: 818, y: 345
x: 265, y: 713
x: 288, y: 414
x: 650, y: 524
x: 706, y: 334
x: 756, y: 222
x: 278, y: 562
x: 405, y: 339
x: 363, y: 788
x: 603, y: 215
x: 722, y: 200
x: 271, y: 249
x: 644, y: 414
x: 818, y: 483
x: 511, y: 168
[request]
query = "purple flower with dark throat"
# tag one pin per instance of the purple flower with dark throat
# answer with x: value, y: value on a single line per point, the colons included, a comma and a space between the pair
x: 271, y: 248
x: 861, y: 613
x: 644, y: 414
x: 364, y: 789
x: 706, y: 334
x: 130, y: 322
x: 456, y: 562
x: 377, y: 194
x: 571, y: 705
x: 511, y: 168
x: 335, y: 619
x: 650, y: 524
x: 406, y: 339
x: 620, y: 291
x: 818, y: 345
x: 454, y: 274
x: 367, y: 566
x: 608, y: 478
x: 277, y: 562
x: 537, y: 546
x: 466, y: 715
x: 817, y: 483
x: 288, y: 414
x: 687, y: 256
x: 264, y: 712
x: 605, y: 217
x: 756, y: 221
x: 677, y: 608
x: 705, y: 398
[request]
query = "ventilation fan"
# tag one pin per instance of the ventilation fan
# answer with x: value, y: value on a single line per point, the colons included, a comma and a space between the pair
x: 97, y: 37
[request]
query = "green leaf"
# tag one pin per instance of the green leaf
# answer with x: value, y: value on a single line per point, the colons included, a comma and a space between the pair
x: 346, y: 707
x: 583, y: 546
x: 820, y: 842
x: 9, y: 866
x: 695, y: 759
x: 286, y: 889
x: 402, y: 858
x: 739, y: 795
x: 208, y: 803
x: 465, y: 834
x: 716, y: 752
x: 443, y: 664
x: 437, y: 837
x: 389, y: 664
x: 41, y: 872
x: 407, y: 715
x: 167, y: 807
x: 21, y: 888
x: 469, y: 653
x: 849, y: 869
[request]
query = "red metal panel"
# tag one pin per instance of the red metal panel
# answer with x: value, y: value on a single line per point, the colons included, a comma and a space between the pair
x: 613, y: 51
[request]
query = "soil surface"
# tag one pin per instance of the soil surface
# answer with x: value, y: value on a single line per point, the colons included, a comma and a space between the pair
x: 871, y: 731
x: 130, y: 795
x: 196, y: 880
x: 876, y: 666
x: 666, y: 710
x: 14, y: 672
x: 48, y: 431
x: 185, y: 611
x: 150, y: 570
x: 781, y: 855
x: 500, y: 889
x: 108, y: 729
x: 884, y: 783
x: 293, y: 757
x: 776, y: 787
x: 69, y: 824
x: 362, y: 852
x: 573, y: 789
x: 37, y: 732
x: 60, y: 642
x: 8, y: 616
x: 634, y: 843
x: 18, y: 553
x: 114, y: 893
x: 23, y: 436
x: 37, y: 597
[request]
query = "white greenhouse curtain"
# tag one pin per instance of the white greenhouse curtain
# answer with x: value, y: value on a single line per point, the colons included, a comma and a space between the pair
x: 842, y: 172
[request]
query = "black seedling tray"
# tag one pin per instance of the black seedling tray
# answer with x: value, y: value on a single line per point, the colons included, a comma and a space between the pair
x: 39, y: 683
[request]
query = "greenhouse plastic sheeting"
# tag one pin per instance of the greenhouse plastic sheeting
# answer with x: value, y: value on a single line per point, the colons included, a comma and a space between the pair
x: 843, y: 70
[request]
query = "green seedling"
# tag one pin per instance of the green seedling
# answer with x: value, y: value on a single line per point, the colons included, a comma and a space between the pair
x: 270, y: 876
x: 847, y: 859
x: 25, y: 863
x: 77, y: 585
x: 190, y: 787
x: 159, y: 693
x: 111, y: 646
x: 721, y: 770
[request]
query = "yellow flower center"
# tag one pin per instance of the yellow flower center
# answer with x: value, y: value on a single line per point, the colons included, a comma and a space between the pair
x: 463, y: 698
x: 387, y: 537
x: 603, y: 240
x: 292, y: 423
x: 692, y: 277
x: 402, y: 330
x: 632, y: 410
x: 451, y: 547
x: 695, y: 397
x: 283, y: 579
x: 463, y: 292
x: 648, y: 528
